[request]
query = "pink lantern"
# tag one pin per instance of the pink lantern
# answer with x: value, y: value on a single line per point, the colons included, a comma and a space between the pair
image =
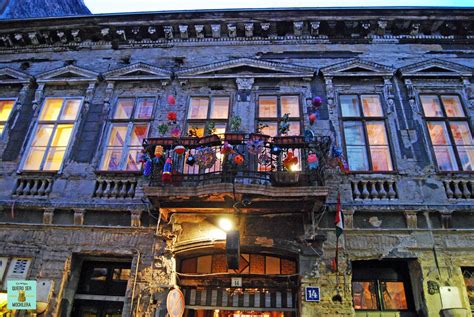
x: 171, y: 100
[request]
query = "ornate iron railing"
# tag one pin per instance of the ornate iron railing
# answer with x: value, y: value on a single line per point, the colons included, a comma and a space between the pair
x: 248, y: 159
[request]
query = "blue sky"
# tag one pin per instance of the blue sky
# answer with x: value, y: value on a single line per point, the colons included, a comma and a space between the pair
x: 108, y: 6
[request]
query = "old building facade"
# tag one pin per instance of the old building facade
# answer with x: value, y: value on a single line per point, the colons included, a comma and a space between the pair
x: 108, y: 203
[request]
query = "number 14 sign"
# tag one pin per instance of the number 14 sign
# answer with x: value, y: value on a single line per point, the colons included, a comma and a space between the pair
x: 311, y: 294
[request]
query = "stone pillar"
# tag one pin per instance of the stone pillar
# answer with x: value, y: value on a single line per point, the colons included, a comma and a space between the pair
x: 136, y: 216
x: 243, y: 105
x: 48, y: 214
x: 411, y: 219
x: 79, y: 216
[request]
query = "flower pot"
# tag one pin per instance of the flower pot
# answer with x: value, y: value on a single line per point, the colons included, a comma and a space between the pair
x: 259, y: 136
x: 294, y: 140
x: 210, y: 140
x: 234, y: 137
x: 284, y: 178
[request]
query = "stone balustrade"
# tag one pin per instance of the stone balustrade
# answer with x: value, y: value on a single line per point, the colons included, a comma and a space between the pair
x: 374, y: 189
x: 115, y: 187
x: 33, y: 186
x: 459, y: 188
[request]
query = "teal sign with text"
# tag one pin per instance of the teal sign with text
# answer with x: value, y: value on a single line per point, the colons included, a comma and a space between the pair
x: 21, y: 295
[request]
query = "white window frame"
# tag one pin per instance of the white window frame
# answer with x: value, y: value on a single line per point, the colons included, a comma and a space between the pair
x: 131, y: 122
x: 75, y: 123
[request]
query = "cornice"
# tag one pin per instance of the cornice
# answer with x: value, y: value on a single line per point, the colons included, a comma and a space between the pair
x: 11, y: 76
x: 69, y: 73
x: 436, y: 68
x: 357, y: 68
x: 138, y: 71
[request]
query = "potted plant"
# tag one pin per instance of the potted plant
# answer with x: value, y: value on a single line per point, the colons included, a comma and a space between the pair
x: 285, y: 139
x: 235, y: 136
x: 163, y: 140
x: 210, y: 138
x: 258, y: 135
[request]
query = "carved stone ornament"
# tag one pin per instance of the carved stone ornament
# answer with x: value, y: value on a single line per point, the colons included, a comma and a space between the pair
x: 244, y: 83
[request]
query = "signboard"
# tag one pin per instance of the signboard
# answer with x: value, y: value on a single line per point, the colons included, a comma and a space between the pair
x: 236, y: 282
x: 311, y: 294
x: 21, y: 294
x: 175, y: 303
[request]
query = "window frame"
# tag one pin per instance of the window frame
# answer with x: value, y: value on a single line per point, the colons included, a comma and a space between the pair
x: 130, y: 122
x: 191, y: 122
x: 446, y: 120
x: 277, y: 119
x: 76, y: 123
x: 7, y: 121
x: 364, y: 119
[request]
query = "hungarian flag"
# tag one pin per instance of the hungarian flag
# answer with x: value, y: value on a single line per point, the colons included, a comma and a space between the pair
x: 339, y: 217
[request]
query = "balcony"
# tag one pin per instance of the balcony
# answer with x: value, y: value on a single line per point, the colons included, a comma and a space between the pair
x: 237, y: 165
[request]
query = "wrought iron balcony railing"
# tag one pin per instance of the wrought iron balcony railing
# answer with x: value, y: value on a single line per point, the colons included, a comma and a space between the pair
x: 239, y: 158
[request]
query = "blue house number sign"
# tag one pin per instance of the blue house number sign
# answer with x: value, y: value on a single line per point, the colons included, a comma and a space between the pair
x: 311, y: 294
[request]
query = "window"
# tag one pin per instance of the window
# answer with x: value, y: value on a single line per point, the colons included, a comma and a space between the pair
x: 272, y: 108
x: 52, y: 135
x: 365, y: 133
x: 381, y: 286
x: 6, y: 107
x: 208, y: 109
x: 468, y: 273
x: 98, y: 282
x: 248, y: 264
x: 130, y: 125
x: 449, y: 131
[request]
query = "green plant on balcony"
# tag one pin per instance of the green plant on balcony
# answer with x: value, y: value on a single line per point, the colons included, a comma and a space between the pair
x: 235, y: 136
x: 162, y: 129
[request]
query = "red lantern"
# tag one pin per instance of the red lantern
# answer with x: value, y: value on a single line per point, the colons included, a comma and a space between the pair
x: 179, y: 149
x: 238, y: 159
x: 172, y: 116
x: 171, y: 100
x: 312, y: 118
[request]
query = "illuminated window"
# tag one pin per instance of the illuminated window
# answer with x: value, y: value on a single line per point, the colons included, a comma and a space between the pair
x: 380, y: 286
x: 248, y: 264
x: 365, y: 134
x: 52, y: 135
x: 449, y: 131
x: 272, y: 108
x: 6, y: 107
x: 130, y: 124
x: 208, y: 109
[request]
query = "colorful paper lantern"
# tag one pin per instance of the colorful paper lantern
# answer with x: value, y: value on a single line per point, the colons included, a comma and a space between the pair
x: 159, y: 150
x: 227, y: 148
x: 275, y: 150
x: 175, y: 132
x: 238, y: 159
x: 312, y: 118
x: 317, y: 101
x: 313, y: 161
x: 148, y: 168
x: 190, y: 160
x: 172, y: 116
x: 254, y: 147
x: 166, y: 177
x: 179, y: 149
x: 290, y: 161
x: 171, y: 100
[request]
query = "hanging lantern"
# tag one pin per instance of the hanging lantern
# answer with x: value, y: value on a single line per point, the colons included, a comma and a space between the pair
x: 159, y: 150
x: 172, y: 116
x: 175, y: 132
x: 166, y: 176
x: 254, y: 147
x: 312, y: 118
x: 290, y: 161
x: 275, y: 150
x: 148, y: 167
x: 190, y: 160
x: 317, y: 101
x: 239, y: 159
x: 171, y: 100
x: 313, y: 161
x: 179, y: 149
x: 336, y: 151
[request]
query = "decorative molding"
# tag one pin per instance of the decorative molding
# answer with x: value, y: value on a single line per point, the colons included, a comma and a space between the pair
x: 48, y: 214
x: 358, y: 68
x: 138, y: 71
x: 136, y: 216
x: 109, y: 90
x: 270, y: 70
x: 244, y: 83
x: 38, y: 96
x: 70, y: 74
x: 89, y: 95
x: 469, y: 91
x: 388, y: 94
x: 11, y: 76
x: 79, y: 214
x: 436, y: 68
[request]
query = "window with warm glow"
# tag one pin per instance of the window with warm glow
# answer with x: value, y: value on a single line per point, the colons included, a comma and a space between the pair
x: 129, y: 126
x: 272, y: 108
x: 380, y: 286
x: 365, y: 133
x: 6, y: 107
x: 52, y: 135
x: 208, y: 109
x: 449, y: 131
